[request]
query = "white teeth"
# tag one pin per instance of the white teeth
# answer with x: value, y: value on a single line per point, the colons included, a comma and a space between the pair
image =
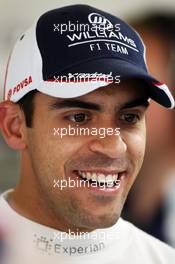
x: 83, y: 175
x: 109, y: 178
x: 93, y: 176
x: 88, y: 176
x: 99, y: 177
x: 115, y: 177
x: 80, y: 173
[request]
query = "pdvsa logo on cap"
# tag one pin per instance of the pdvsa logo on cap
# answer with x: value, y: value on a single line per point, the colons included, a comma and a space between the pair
x: 24, y: 83
x: 99, y: 21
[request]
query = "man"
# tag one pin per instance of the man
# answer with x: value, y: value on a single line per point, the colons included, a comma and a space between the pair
x: 78, y: 72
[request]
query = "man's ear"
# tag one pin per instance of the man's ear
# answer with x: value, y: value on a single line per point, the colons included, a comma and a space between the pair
x: 12, y: 125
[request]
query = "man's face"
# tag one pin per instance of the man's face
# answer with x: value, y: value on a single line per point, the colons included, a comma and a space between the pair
x: 55, y: 159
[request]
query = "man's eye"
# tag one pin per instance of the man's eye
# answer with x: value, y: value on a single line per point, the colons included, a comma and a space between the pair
x: 78, y: 118
x: 130, y: 118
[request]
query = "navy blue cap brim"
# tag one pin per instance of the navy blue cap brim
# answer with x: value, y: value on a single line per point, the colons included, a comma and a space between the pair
x: 157, y: 91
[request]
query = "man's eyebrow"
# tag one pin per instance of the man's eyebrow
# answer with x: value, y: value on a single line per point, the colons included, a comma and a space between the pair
x: 74, y: 104
x: 134, y: 103
x: 67, y: 103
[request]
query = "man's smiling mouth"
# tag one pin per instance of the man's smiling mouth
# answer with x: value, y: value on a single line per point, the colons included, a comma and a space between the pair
x: 101, y: 178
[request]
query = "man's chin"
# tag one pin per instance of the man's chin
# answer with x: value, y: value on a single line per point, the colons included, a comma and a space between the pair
x: 102, y: 222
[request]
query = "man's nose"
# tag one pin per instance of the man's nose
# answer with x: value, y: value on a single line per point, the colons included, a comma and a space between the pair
x: 112, y: 146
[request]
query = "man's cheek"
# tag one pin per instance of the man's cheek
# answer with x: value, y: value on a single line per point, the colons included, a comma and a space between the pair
x: 136, y: 147
x: 140, y: 152
x: 68, y: 145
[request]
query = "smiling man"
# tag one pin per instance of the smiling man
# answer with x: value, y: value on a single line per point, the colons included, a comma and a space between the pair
x: 66, y: 207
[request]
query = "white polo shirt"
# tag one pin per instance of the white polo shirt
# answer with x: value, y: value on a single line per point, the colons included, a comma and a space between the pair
x: 123, y: 243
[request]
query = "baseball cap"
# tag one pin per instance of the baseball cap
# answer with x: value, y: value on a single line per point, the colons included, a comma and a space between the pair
x: 86, y: 46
